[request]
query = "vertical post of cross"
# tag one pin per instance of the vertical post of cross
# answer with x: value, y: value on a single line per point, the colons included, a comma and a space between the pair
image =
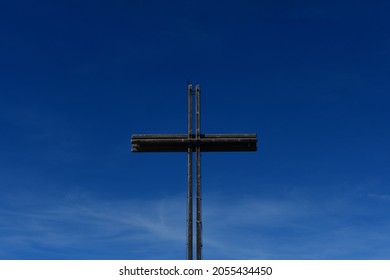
x: 198, y: 180
x: 190, y: 180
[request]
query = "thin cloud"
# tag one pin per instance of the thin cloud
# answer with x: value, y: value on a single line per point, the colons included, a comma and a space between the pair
x: 381, y: 197
x: 55, y: 226
x: 234, y: 228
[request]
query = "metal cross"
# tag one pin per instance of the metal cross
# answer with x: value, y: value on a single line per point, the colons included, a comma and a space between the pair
x: 194, y: 142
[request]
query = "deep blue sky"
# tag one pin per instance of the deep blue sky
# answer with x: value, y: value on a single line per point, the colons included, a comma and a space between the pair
x: 311, y: 78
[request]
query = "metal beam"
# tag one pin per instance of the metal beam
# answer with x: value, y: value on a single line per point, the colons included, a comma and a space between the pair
x: 190, y: 227
x: 182, y: 142
x: 198, y: 179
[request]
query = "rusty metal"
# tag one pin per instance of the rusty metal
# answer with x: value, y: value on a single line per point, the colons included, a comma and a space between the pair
x: 197, y: 143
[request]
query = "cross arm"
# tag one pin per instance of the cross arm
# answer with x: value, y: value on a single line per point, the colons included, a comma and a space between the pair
x: 181, y: 142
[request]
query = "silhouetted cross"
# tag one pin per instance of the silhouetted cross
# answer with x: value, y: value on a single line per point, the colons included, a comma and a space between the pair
x: 194, y: 142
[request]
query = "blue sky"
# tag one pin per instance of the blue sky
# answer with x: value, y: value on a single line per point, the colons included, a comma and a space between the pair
x: 311, y: 78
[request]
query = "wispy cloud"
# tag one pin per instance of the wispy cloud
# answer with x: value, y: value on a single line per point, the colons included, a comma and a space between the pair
x: 382, y: 197
x: 88, y: 224
x: 234, y: 228
x: 329, y: 228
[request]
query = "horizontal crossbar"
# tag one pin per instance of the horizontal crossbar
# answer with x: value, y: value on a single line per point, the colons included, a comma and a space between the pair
x: 181, y: 142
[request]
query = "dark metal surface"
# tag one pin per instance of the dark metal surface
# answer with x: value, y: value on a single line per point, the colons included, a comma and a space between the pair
x: 190, y: 231
x: 197, y: 143
x: 182, y: 142
x: 198, y: 180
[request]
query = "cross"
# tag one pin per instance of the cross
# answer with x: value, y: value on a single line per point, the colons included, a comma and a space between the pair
x: 190, y: 143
